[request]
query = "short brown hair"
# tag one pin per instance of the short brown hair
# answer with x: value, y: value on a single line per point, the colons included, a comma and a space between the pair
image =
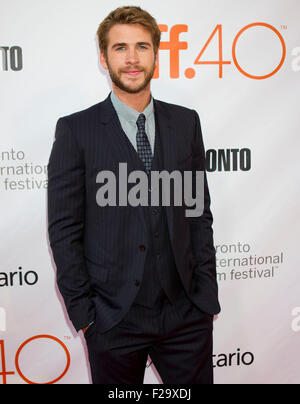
x: 128, y: 15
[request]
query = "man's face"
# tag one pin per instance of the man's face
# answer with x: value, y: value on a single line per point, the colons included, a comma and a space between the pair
x: 130, y: 57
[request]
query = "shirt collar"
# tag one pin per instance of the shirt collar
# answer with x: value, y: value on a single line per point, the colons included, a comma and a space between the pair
x: 128, y: 113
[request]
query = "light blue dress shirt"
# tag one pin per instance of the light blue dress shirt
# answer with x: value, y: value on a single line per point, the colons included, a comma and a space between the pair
x: 128, y: 117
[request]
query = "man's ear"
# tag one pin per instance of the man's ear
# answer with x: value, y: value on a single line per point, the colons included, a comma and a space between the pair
x: 103, y: 61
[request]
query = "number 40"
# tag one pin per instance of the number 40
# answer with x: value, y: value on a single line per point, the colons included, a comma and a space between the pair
x: 4, y: 373
x: 221, y: 62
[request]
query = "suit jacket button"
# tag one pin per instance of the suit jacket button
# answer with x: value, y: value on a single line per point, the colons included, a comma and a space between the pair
x: 137, y: 283
x: 142, y: 248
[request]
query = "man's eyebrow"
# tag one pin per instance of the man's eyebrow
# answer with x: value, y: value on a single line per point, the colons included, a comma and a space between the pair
x: 144, y: 43
x: 120, y: 44
x: 116, y: 45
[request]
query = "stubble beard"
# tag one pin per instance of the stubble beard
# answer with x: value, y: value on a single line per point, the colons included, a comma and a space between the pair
x: 116, y: 79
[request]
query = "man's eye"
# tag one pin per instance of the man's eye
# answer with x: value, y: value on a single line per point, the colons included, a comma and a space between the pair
x: 121, y: 48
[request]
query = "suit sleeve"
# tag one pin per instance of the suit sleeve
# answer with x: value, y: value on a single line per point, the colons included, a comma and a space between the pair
x: 201, y: 226
x: 66, y: 219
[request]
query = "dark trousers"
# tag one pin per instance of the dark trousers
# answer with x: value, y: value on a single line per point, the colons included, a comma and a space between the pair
x: 177, y: 337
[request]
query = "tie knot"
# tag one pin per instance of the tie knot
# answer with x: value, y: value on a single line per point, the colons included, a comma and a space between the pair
x: 141, y: 122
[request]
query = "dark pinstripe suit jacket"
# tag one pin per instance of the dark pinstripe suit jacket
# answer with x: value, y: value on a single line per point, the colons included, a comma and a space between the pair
x: 96, y: 249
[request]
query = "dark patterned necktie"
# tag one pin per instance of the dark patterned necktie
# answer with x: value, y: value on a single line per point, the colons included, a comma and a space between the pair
x: 143, y: 145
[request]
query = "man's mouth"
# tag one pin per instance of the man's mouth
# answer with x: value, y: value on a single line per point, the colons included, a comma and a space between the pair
x: 133, y: 73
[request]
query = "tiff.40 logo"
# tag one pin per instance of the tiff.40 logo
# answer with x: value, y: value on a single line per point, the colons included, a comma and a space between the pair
x: 175, y: 46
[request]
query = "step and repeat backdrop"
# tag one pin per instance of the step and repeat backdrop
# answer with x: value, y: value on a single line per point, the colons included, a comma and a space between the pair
x: 238, y: 64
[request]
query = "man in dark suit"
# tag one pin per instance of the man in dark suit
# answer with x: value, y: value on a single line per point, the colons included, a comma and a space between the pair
x: 138, y: 280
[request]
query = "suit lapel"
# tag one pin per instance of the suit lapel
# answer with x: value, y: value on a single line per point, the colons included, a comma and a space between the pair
x: 120, y: 145
x: 167, y: 135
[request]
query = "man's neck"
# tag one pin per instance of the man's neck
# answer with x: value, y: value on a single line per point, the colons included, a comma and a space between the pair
x: 138, y: 101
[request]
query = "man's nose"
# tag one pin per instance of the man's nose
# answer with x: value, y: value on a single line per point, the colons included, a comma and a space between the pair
x: 132, y: 56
